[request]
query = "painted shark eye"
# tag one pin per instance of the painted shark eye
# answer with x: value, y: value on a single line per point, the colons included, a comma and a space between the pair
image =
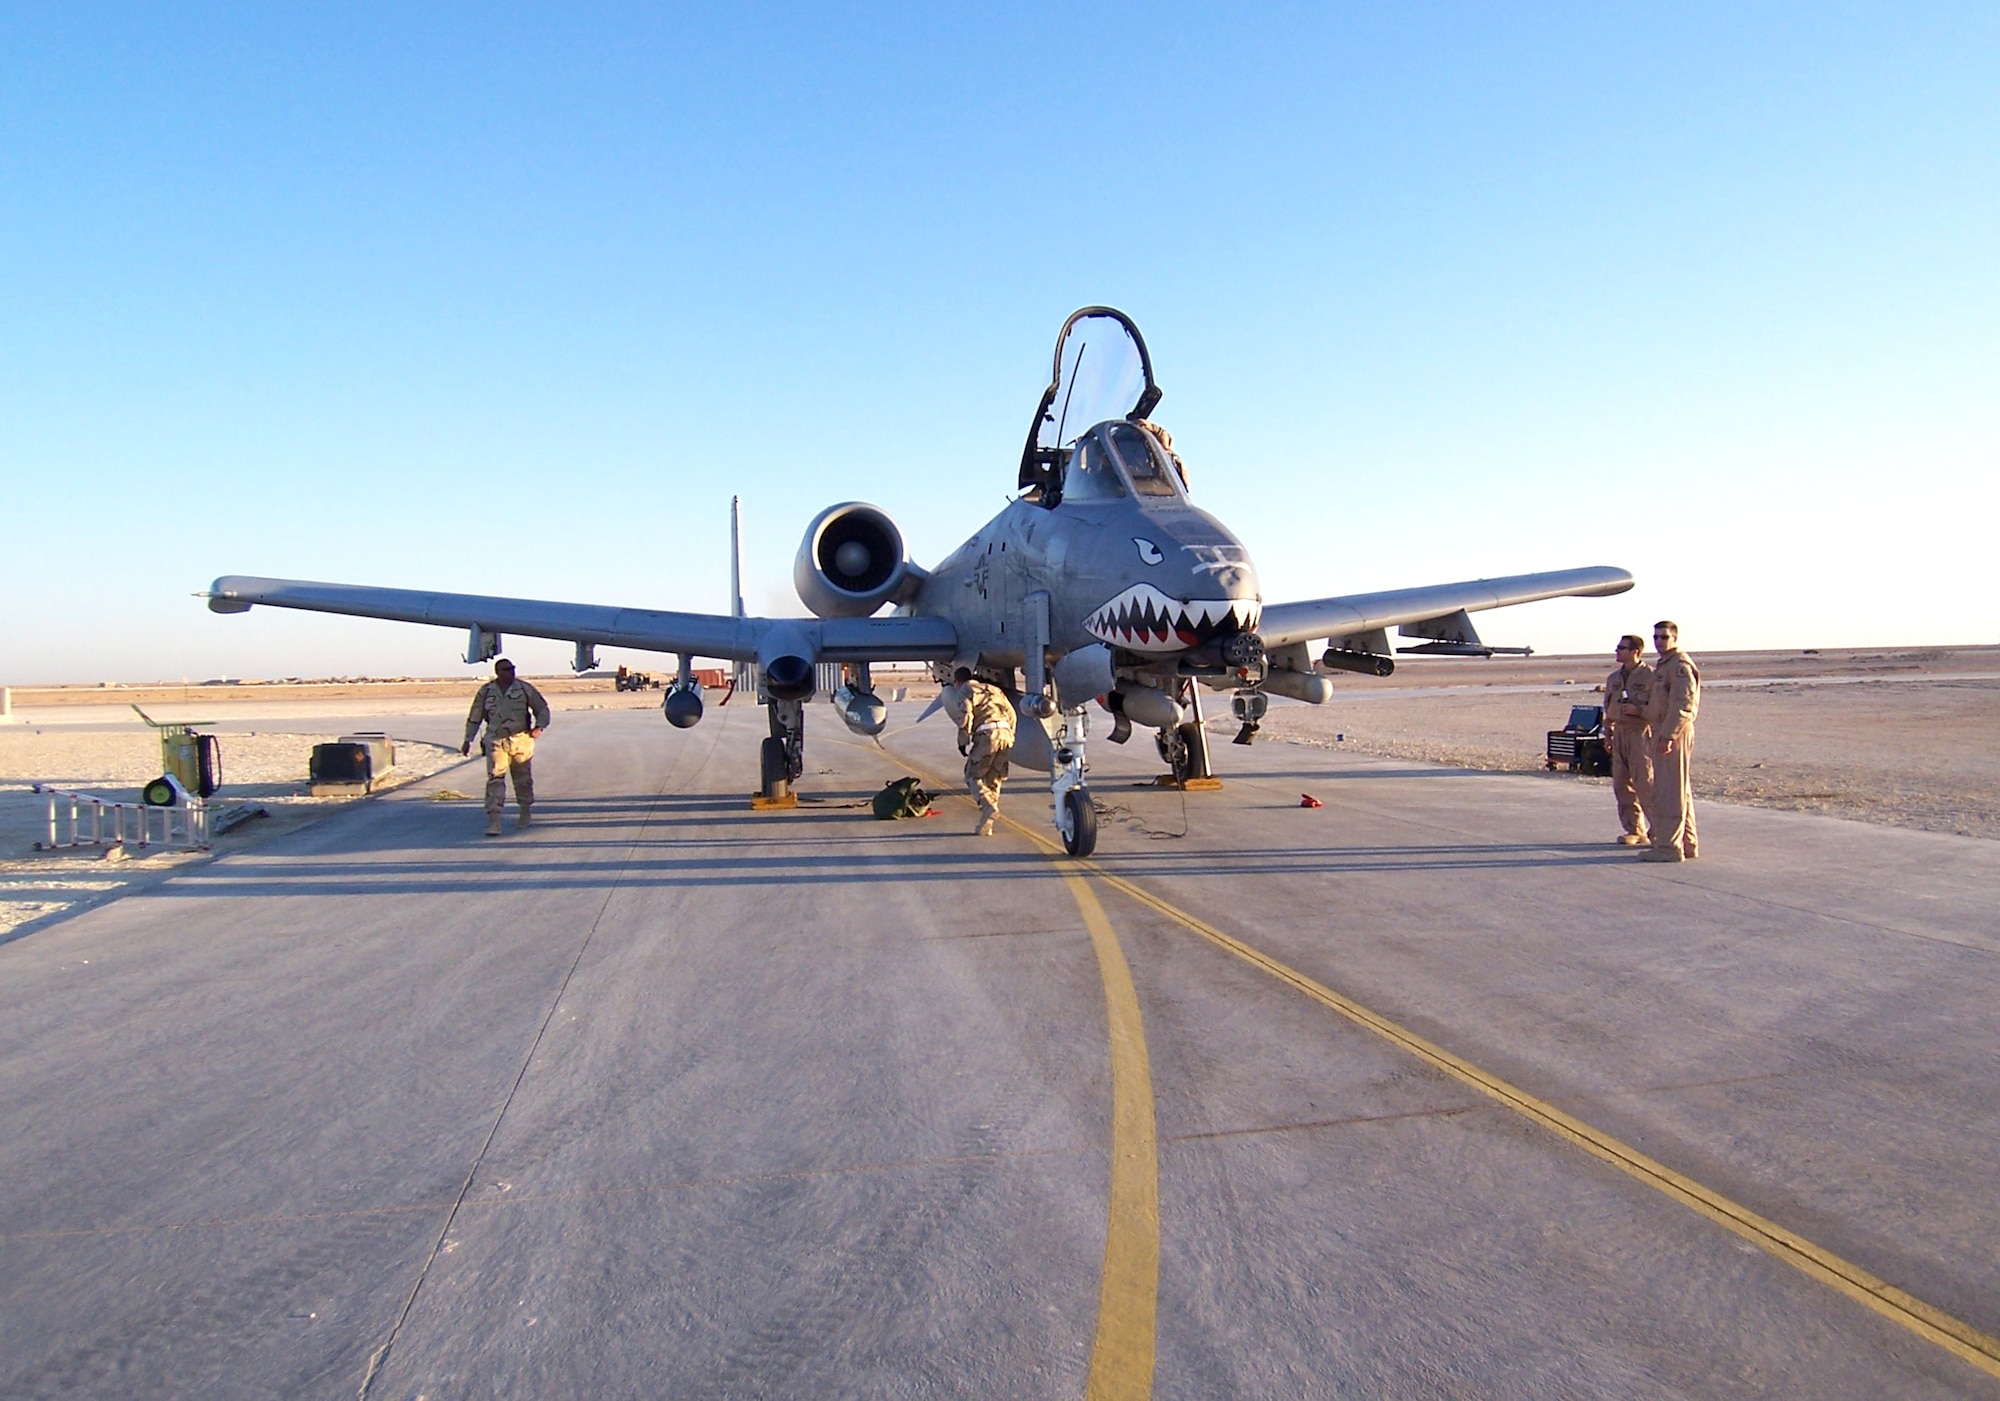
x: 1148, y: 551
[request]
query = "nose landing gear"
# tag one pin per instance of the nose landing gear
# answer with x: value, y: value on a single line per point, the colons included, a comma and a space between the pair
x: 1076, y: 816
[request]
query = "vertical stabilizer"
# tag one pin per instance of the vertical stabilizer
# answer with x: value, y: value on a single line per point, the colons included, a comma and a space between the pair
x: 736, y: 557
x: 743, y: 674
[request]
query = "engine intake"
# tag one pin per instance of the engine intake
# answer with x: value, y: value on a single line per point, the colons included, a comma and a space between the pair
x: 852, y: 562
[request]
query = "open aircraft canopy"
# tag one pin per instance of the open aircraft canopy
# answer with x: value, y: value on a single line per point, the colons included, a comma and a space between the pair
x: 1102, y: 371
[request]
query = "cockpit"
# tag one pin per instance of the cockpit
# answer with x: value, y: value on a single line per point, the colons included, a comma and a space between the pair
x: 1090, y: 440
x: 1139, y: 454
x: 1111, y: 462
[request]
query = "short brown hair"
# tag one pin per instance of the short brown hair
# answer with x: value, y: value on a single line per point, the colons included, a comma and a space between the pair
x: 1632, y: 642
x: 1672, y: 629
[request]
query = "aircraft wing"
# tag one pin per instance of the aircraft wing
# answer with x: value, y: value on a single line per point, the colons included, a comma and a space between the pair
x: 1353, y: 615
x: 891, y: 639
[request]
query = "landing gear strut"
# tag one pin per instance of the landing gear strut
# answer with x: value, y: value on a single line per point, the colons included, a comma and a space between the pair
x: 1076, y: 816
x: 1185, y: 746
x: 784, y: 754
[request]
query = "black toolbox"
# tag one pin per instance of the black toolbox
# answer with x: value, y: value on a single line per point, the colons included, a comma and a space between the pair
x: 1580, y: 744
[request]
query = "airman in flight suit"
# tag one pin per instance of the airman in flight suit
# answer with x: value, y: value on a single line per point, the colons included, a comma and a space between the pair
x: 985, y: 738
x: 1676, y: 701
x: 515, y: 715
x: 1627, y: 692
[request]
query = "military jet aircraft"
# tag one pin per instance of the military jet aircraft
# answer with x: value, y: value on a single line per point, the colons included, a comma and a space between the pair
x: 1101, y: 582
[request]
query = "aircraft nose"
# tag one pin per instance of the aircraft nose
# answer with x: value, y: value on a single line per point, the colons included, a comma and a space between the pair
x: 1217, y: 569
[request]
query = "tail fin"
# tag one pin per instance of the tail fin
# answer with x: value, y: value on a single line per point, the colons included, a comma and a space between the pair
x: 736, y: 557
x: 743, y: 675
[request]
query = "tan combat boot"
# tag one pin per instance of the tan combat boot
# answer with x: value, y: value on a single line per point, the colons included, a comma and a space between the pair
x: 522, y: 820
x: 492, y: 824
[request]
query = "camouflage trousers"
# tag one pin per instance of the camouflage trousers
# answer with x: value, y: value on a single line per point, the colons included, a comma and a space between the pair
x: 986, y: 769
x: 513, y: 754
x: 1632, y: 776
x: 1670, y: 805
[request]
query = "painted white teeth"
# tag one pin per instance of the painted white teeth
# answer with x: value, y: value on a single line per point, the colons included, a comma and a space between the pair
x: 1143, y: 619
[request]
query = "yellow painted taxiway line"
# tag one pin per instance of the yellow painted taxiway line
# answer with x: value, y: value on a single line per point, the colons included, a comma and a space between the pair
x: 1967, y: 1343
x: 1128, y: 1292
x: 1121, y: 1357
x: 1934, y: 1325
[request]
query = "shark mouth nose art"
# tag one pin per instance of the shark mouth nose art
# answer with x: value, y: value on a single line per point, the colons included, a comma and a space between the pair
x: 1145, y: 620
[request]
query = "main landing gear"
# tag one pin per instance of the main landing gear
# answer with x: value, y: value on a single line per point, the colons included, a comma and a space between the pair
x: 783, y: 756
x: 1185, y: 746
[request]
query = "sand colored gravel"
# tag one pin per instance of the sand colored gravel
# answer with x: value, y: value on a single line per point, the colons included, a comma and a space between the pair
x: 263, y: 770
x: 1904, y: 738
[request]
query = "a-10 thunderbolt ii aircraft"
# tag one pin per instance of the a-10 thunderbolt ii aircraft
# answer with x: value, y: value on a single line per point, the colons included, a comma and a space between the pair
x: 1101, y: 582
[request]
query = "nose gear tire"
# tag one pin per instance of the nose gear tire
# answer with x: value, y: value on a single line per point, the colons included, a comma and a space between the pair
x: 1079, y: 831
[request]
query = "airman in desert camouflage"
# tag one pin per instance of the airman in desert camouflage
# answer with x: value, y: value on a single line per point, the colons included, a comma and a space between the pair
x: 1628, y: 690
x: 1676, y: 701
x: 515, y: 715
x: 986, y: 739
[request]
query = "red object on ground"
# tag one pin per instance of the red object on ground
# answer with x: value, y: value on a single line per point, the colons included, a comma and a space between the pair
x: 1307, y: 800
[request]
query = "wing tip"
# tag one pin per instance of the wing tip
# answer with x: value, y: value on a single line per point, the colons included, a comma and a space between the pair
x: 222, y: 597
x: 1620, y: 582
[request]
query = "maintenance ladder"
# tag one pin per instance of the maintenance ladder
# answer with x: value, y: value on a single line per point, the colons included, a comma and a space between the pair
x: 109, y: 821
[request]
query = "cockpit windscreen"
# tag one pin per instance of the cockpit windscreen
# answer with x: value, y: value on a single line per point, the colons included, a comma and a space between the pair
x: 1091, y: 477
x: 1135, y: 449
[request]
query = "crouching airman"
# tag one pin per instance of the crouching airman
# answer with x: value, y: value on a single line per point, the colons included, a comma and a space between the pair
x: 986, y: 739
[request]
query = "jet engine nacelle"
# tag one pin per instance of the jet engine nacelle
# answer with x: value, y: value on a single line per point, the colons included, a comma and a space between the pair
x: 852, y: 562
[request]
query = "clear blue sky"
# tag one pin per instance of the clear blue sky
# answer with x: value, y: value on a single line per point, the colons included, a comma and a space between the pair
x: 513, y: 301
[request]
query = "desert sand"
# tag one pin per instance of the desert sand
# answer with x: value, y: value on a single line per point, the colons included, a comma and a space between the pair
x: 1903, y: 737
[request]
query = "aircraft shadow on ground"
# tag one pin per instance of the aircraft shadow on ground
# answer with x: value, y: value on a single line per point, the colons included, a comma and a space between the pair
x: 1145, y: 780
x: 748, y: 840
x: 722, y: 862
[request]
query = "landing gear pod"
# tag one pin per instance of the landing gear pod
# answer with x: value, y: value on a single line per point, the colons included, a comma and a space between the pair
x: 786, y: 660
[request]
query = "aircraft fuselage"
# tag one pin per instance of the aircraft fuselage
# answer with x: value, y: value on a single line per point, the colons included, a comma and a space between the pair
x: 1154, y: 578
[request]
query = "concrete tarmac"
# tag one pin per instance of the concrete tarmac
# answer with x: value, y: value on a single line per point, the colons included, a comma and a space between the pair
x: 662, y: 1097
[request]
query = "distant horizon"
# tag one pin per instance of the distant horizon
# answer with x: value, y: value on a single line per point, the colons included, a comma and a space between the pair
x: 663, y: 668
